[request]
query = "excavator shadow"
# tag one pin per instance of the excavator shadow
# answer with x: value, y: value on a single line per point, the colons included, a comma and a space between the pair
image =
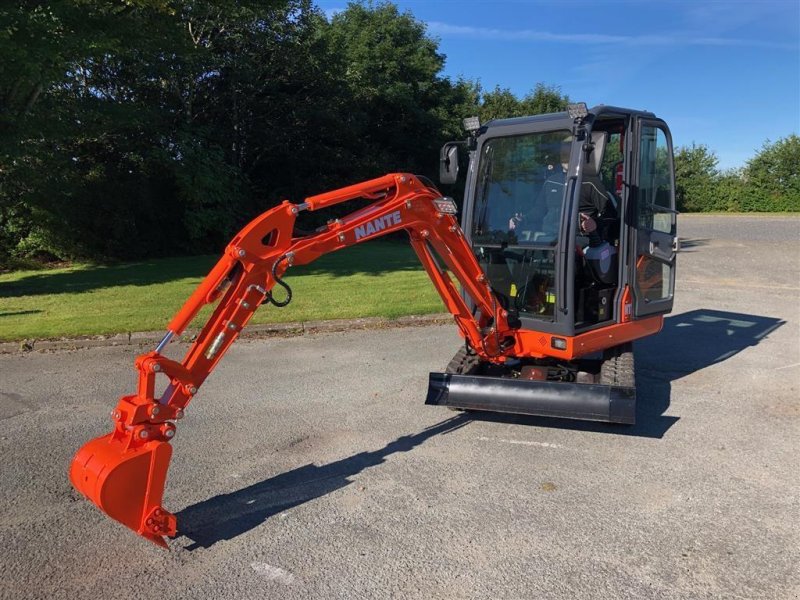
x: 689, y: 342
x: 227, y: 516
x: 687, y: 243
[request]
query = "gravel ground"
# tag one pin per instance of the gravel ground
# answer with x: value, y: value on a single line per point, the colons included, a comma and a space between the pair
x: 308, y: 467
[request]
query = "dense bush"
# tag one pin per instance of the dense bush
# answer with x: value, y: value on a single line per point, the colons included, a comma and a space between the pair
x: 696, y: 178
x: 769, y: 182
x: 771, y: 179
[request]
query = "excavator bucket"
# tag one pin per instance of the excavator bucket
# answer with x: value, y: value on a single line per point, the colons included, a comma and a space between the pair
x: 126, y: 482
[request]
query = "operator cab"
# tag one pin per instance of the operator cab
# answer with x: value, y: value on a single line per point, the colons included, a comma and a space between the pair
x: 572, y: 215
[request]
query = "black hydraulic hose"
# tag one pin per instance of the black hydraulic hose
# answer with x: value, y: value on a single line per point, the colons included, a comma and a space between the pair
x: 269, y: 297
x: 427, y: 182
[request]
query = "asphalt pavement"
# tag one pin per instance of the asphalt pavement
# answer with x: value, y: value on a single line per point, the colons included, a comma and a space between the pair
x: 308, y: 467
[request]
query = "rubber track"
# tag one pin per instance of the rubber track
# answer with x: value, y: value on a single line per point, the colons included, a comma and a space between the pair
x: 464, y: 362
x: 618, y: 366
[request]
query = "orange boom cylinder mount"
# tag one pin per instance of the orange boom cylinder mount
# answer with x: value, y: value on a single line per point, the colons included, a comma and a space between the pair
x: 124, y: 472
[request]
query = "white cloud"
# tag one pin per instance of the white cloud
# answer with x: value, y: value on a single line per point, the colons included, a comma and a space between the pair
x: 531, y: 35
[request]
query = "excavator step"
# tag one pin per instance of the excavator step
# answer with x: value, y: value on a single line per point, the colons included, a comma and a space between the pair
x: 583, y: 401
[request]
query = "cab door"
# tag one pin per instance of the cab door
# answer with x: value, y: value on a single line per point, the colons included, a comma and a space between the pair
x: 653, y: 219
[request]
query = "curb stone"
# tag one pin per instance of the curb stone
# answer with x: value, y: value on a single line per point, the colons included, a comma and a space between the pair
x: 144, y: 338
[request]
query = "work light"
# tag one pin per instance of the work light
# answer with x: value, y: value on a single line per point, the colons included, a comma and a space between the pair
x: 577, y: 110
x: 472, y: 124
x: 445, y: 205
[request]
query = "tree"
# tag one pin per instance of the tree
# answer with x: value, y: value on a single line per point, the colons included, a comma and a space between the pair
x: 152, y: 127
x: 772, y: 176
x: 696, y: 178
x: 108, y: 151
x: 49, y: 52
x: 729, y: 191
x: 501, y: 103
x: 544, y: 99
x: 392, y: 71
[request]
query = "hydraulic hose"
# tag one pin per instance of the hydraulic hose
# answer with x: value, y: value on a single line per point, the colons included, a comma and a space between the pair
x: 269, y: 297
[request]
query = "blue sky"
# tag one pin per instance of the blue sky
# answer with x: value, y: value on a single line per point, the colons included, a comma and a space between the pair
x: 724, y: 73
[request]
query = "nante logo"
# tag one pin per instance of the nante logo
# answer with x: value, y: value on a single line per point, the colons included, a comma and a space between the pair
x: 378, y: 224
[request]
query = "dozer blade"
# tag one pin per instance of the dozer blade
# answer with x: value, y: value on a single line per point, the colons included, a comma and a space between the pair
x: 583, y: 401
x: 126, y: 483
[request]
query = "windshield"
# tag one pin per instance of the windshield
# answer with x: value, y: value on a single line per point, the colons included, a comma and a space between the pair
x: 521, y: 183
x: 520, y: 192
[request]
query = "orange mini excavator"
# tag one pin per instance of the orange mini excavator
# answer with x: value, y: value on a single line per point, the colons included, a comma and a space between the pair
x: 565, y: 254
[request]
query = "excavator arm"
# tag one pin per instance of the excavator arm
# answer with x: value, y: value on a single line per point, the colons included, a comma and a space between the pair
x: 124, y: 472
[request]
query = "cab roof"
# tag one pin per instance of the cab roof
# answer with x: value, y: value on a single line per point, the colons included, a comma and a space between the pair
x: 594, y: 112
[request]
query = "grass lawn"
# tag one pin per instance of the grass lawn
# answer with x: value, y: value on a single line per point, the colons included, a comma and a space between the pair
x: 379, y: 279
x: 720, y: 213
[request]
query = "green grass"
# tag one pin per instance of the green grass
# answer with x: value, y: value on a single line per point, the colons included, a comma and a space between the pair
x: 379, y: 279
x: 721, y: 213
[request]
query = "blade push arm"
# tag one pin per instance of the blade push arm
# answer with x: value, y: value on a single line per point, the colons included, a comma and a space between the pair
x: 124, y: 472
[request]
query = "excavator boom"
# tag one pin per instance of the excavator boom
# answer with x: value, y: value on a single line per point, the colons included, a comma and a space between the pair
x: 124, y: 472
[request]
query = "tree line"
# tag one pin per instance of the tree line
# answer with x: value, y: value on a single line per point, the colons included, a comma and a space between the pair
x: 157, y: 127
x: 770, y: 181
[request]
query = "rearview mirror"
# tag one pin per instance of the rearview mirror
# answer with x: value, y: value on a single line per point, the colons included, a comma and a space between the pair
x: 448, y: 163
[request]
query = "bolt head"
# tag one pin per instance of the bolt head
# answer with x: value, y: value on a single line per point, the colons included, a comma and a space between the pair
x: 155, y: 410
x: 169, y: 433
x: 144, y: 434
x: 156, y: 367
x: 245, y: 305
x: 193, y: 390
x: 241, y: 253
x: 179, y: 413
x: 231, y: 325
